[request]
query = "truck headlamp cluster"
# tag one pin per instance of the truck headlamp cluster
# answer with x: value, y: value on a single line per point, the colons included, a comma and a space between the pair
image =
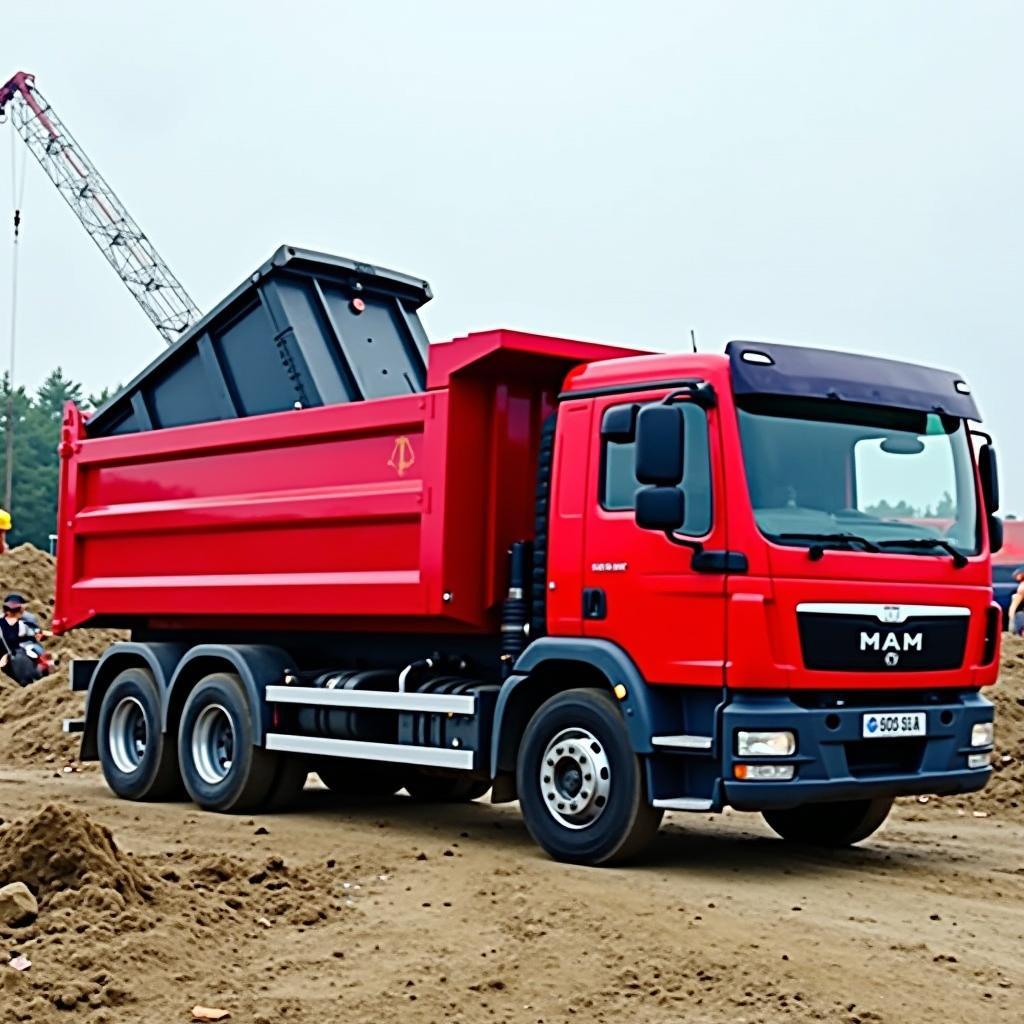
x: 765, y: 744
x: 981, y: 734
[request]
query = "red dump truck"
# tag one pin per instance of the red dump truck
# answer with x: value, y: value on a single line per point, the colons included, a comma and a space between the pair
x: 600, y: 582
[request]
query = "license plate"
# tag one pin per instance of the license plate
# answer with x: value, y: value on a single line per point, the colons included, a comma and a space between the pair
x: 881, y: 726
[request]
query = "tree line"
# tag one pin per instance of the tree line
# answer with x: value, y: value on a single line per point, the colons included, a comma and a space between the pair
x: 36, y: 424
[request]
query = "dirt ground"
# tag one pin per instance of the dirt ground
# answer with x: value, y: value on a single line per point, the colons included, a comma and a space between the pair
x: 388, y: 911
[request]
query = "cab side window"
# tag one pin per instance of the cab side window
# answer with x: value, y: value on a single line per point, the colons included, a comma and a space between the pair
x: 619, y: 484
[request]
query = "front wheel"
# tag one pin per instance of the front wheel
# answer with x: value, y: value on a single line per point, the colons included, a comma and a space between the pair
x: 832, y: 824
x: 581, y: 786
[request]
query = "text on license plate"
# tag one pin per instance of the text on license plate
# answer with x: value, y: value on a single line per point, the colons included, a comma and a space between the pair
x: 878, y: 726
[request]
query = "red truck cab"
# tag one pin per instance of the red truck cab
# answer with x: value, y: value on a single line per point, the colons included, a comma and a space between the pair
x: 601, y: 582
x: 801, y: 597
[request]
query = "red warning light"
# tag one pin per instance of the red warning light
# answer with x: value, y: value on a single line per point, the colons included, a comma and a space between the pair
x: 357, y: 305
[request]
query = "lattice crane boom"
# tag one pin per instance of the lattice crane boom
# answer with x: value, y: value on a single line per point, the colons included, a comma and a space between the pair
x: 96, y: 205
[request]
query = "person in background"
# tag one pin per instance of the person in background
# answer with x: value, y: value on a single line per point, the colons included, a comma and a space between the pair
x: 14, y: 661
x: 5, y: 526
x: 1015, y: 619
x: 32, y: 637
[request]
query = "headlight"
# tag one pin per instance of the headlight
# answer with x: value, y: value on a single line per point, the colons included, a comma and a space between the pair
x: 765, y: 744
x: 981, y: 734
x: 979, y: 760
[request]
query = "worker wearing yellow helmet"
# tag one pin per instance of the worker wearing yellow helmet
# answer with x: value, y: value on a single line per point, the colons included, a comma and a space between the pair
x: 5, y: 525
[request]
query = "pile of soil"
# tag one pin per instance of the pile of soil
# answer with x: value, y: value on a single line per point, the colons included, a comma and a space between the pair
x: 89, y: 892
x: 28, y: 571
x: 30, y: 718
x: 60, y: 850
x: 115, y: 929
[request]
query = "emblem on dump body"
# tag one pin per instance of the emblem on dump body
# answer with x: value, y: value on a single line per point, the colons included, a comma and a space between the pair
x: 402, y: 456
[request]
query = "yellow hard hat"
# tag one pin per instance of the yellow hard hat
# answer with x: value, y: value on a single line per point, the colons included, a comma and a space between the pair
x: 5, y: 519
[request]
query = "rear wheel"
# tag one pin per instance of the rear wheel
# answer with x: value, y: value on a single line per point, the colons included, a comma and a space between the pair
x: 221, y: 767
x: 580, y: 784
x: 426, y: 787
x: 138, y: 760
x: 354, y: 779
x: 832, y: 824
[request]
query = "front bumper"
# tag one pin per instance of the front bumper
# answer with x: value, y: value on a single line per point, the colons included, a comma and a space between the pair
x: 833, y: 762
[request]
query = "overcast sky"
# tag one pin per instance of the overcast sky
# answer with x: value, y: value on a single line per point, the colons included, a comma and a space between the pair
x: 846, y: 175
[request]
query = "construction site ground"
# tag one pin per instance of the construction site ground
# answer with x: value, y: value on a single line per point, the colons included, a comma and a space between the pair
x: 383, y: 911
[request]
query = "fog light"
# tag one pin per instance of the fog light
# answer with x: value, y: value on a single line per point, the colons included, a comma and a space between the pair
x: 764, y: 772
x: 765, y: 744
x: 981, y: 734
x: 978, y: 760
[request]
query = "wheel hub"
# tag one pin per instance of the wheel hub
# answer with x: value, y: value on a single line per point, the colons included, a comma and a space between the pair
x: 128, y: 735
x: 575, y: 778
x: 213, y: 744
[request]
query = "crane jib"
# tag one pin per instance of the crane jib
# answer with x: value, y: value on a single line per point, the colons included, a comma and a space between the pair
x: 106, y: 220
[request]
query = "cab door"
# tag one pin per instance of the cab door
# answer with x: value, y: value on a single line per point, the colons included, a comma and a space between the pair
x: 640, y: 589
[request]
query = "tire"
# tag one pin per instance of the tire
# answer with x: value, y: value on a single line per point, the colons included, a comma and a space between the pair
x: 610, y: 821
x: 221, y: 767
x: 356, y: 779
x: 430, y: 788
x: 831, y: 824
x: 138, y: 760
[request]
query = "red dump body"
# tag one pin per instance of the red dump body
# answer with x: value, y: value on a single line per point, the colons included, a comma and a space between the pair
x: 390, y: 514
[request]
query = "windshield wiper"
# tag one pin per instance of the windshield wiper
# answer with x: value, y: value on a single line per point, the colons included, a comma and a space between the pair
x: 831, y: 540
x: 959, y: 558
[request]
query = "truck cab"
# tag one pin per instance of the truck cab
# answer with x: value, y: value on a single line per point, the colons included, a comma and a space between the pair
x: 752, y: 531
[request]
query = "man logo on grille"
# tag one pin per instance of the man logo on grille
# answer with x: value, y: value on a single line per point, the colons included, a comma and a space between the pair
x: 892, y: 659
x: 402, y: 456
x: 891, y: 643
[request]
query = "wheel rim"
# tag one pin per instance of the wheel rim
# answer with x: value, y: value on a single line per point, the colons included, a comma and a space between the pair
x: 575, y: 778
x: 213, y: 744
x: 128, y: 735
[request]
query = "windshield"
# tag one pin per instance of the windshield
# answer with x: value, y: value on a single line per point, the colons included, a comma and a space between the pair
x: 819, y: 469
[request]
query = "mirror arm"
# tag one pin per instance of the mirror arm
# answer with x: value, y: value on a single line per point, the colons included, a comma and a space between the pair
x: 700, y: 392
x: 694, y: 545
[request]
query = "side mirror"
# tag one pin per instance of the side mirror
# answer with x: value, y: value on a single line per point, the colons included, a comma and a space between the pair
x: 660, y: 508
x: 995, y: 534
x: 659, y: 446
x: 989, y: 473
x: 619, y: 423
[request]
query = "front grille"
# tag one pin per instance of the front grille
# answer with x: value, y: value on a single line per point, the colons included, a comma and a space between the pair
x: 867, y: 758
x: 860, y: 643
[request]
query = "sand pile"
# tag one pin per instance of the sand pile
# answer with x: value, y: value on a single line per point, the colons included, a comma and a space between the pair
x: 61, y: 850
x: 30, y: 718
x: 118, y: 930
x: 28, y: 571
x: 89, y: 892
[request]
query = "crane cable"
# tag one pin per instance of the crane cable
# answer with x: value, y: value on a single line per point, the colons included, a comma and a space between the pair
x: 17, y: 200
